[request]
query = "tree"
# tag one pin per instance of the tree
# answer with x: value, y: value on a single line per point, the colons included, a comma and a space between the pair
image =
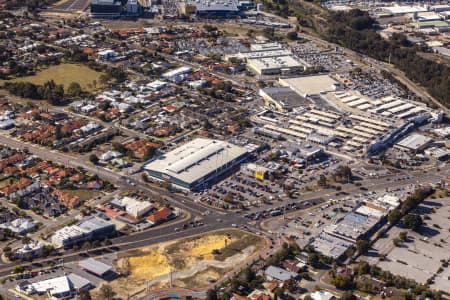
x: 119, y: 147
x: 342, y: 282
x: 313, y: 260
x: 292, y: 35
x: 343, y: 174
x: 403, y: 236
x: 94, y: 159
x: 58, y: 132
x: 104, y: 79
x: 149, y: 153
x: 74, y: 90
x: 211, y: 294
x: 322, y: 180
x: 269, y: 33
x: 279, y: 292
x: 362, y: 246
x: 106, y: 292
x: 412, y: 221
x: 348, y: 295
x: 84, y: 294
x: 394, y: 216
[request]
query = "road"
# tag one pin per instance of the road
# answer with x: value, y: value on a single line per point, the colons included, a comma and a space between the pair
x: 197, y: 210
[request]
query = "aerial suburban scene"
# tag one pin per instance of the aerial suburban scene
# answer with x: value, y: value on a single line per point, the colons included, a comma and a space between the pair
x: 224, y: 149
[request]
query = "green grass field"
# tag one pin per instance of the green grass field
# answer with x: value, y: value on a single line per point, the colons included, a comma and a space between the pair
x: 63, y: 74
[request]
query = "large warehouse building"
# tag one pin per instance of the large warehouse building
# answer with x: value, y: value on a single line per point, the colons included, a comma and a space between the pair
x: 210, y: 8
x: 197, y: 163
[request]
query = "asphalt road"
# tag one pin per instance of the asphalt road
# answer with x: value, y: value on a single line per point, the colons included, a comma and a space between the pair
x: 197, y: 210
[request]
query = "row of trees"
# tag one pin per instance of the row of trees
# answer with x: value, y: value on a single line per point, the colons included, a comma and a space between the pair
x: 355, y: 30
x: 50, y: 91
x: 409, y: 204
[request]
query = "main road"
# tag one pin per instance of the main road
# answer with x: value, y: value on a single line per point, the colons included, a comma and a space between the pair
x: 214, y: 220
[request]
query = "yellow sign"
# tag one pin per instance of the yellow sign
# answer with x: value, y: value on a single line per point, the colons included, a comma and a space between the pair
x: 259, y: 174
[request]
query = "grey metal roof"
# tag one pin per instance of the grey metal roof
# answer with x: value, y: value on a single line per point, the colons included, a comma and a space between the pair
x: 214, y: 5
x: 279, y: 273
x: 78, y: 282
x: 95, y: 266
x: 93, y: 223
x: 286, y: 96
x: 196, y: 158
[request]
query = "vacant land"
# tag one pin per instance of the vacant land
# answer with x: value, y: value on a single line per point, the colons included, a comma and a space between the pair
x: 194, y: 262
x: 84, y: 195
x: 6, y: 182
x: 64, y: 74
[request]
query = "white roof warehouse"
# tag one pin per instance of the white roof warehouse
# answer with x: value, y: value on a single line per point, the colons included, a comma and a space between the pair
x: 195, y: 164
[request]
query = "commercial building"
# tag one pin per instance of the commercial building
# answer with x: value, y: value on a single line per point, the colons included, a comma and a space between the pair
x: 270, y: 59
x: 282, y: 99
x: 195, y: 164
x: 414, y: 143
x: 398, y: 10
x: 385, y: 203
x: 133, y: 8
x: 133, y: 207
x: 322, y: 295
x: 63, y: 287
x: 19, y: 226
x: 353, y: 226
x: 161, y: 215
x: 88, y: 229
x: 106, y: 8
x: 275, y: 65
x: 266, y: 46
x: 440, y: 7
x: 311, y: 85
x: 210, y: 8
x: 95, y: 267
x: 177, y: 75
x: 330, y: 245
x: 438, y: 153
x: 32, y: 249
x: 254, y: 170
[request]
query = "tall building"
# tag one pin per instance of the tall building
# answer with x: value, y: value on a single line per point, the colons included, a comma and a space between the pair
x: 106, y: 8
x: 133, y: 8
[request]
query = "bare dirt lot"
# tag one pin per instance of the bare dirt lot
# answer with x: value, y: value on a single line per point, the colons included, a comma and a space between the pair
x: 192, y: 262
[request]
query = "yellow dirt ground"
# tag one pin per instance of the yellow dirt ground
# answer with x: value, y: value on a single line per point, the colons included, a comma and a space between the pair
x: 153, y: 264
x: 150, y: 263
x: 204, y: 247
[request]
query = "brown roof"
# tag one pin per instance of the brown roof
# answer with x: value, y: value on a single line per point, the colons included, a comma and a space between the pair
x: 161, y: 214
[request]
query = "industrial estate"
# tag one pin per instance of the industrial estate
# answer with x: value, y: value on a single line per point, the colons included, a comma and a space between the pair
x: 224, y: 149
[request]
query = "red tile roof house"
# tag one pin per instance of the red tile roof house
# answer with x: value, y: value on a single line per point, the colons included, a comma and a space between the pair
x: 67, y: 199
x: 94, y: 185
x: 17, y: 186
x: 11, y: 160
x: 159, y: 216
